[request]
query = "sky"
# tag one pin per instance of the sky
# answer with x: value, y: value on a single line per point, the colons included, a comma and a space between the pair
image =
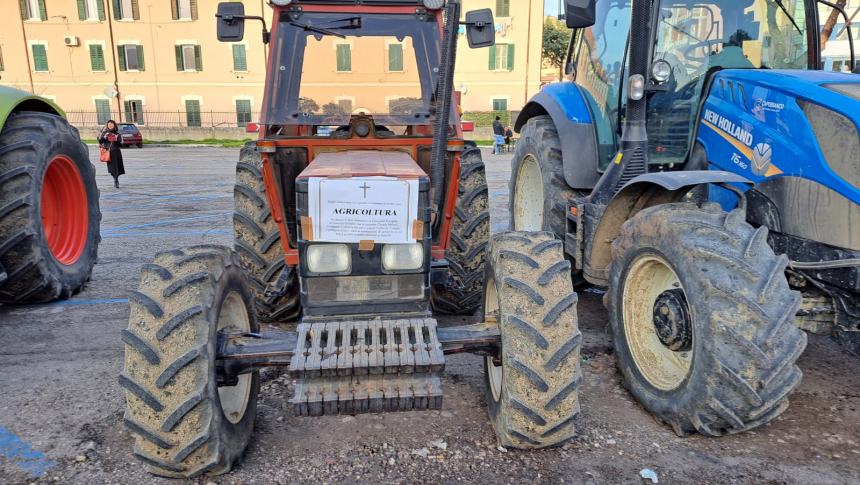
x: 551, y: 7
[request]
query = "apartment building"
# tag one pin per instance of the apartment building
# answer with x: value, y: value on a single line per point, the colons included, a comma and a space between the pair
x: 837, y: 52
x: 141, y: 60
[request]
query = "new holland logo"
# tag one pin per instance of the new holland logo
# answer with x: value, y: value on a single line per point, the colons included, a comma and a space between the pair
x: 762, y: 154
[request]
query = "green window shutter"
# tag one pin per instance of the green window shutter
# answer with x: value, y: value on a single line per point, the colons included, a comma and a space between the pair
x: 117, y: 10
x: 82, y: 10
x: 43, y: 12
x: 179, y: 66
x: 126, y: 107
x: 492, y: 66
x: 511, y: 57
x: 344, y: 58
x: 500, y: 105
x: 100, y: 6
x: 193, y: 9
x: 198, y: 58
x: 395, y: 57
x: 102, y: 111
x: 503, y: 8
x: 2, y: 68
x: 243, y: 112
x: 174, y: 10
x: 97, y: 57
x: 240, y: 60
x: 120, y: 55
x: 140, y: 58
x: 192, y: 112
x: 40, y: 58
x: 135, y: 10
x: 23, y: 5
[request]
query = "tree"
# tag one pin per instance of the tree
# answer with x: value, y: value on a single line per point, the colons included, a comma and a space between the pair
x: 555, y: 40
x: 308, y: 105
x: 831, y: 22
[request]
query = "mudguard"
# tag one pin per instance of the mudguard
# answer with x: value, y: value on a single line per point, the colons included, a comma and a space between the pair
x: 565, y: 103
x: 12, y: 100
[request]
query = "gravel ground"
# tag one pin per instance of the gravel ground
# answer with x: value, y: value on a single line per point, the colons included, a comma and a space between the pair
x: 62, y: 407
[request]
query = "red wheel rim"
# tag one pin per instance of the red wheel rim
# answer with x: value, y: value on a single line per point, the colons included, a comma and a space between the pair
x: 65, y: 215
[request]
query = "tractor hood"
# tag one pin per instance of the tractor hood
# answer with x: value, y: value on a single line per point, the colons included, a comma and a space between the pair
x: 786, y: 123
x: 363, y: 163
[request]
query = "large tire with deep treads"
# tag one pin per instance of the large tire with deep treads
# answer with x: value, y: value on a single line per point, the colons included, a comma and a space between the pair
x: 49, y: 209
x: 183, y: 424
x: 258, y: 241
x: 532, y: 387
x: 731, y: 366
x: 470, y: 235
x: 539, y: 202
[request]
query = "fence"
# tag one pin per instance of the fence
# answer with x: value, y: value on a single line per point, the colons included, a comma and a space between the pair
x: 165, y: 119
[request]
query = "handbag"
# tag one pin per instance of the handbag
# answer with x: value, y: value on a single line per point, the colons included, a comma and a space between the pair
x: 104, y: 154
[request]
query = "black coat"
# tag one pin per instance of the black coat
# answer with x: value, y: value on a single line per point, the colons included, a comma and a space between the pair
x: 115, y: 166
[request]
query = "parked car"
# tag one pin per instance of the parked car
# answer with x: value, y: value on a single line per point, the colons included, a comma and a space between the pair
x: 130, y: 135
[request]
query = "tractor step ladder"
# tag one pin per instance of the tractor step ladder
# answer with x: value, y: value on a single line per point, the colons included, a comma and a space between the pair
x: 367, y: 366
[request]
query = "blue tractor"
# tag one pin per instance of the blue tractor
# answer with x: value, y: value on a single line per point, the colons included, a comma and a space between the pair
x: 698, y: 163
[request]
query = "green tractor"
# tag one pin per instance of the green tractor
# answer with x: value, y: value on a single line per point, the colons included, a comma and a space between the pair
x: 49, y: 202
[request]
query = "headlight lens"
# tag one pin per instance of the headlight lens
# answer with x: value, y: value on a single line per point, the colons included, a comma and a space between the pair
x: 434, y: 4
x: 661, y: 71
x: 329, y: 258
x: 402, y: 257
x: 282, y: 3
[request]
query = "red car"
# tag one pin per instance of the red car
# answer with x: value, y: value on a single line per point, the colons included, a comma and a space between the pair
x: 130, y: 135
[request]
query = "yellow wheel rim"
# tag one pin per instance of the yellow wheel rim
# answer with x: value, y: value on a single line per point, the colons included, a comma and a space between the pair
x: 648, y: 277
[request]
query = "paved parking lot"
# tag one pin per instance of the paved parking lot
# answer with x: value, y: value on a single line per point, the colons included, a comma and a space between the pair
x: 61, y: 406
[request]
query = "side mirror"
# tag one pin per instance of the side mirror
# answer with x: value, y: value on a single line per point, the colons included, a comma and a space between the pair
x: 231, y: 21
x: 480, y: 28
x: 579, y: 14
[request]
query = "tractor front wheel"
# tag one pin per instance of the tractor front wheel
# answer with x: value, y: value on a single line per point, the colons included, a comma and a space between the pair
x: 184, y: 423
x: 703, y: 319
x: 532, y: 383
x: 470, y: 235
x: 49, y: 209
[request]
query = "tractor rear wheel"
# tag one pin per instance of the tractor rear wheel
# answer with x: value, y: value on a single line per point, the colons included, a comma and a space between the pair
x: 532, y: 395
x: 703, y: 319
x: 49, y: 209
x: 258, y: 241
x: 470, y: 235
x: 539, y: 195
x: 183, y: 423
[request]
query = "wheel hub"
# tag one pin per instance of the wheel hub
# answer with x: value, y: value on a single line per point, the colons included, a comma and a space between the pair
x: 672, y: 320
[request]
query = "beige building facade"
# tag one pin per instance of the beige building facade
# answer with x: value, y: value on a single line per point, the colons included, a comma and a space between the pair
x: 158, y: 62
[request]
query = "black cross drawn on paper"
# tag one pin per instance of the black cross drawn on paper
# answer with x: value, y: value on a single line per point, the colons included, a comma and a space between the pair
x: 365, y: 187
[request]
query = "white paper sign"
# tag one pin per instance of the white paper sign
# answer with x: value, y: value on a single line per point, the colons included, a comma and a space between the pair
x: 379, y: 209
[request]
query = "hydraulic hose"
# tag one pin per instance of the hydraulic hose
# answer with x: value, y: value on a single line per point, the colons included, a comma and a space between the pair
x: 444, y: 89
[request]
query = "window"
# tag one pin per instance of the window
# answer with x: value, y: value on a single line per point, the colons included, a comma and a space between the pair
x: 40, y: 58
x: 102, y: 111
x: 345, y: 105
x: 134, y: 111
x: 503, y: 8
x: 192, y: 112
x: 91, y: 10
x: 502, y: 57
x: 240, y: 59
x: 183, y: 9
x: 243, y: 112
x: 33, y: 10
x: 395, y: 57
x: 500, y: 104
x: 97, y: 58
x: 1, y: 61
x: 344, y: 58
x: 130, y: 57
x: 188, y: 58
x: 126, y: 10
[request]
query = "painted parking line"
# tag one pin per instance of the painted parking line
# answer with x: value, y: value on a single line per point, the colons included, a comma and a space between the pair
x: 22, y: 455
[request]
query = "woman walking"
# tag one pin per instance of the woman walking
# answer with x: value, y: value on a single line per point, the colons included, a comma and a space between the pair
x: 110, y: 139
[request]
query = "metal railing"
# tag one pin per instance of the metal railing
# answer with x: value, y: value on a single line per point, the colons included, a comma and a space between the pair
x: 165, y: 119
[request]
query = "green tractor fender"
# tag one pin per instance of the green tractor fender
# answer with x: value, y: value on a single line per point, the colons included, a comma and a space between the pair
x: 12, y: 100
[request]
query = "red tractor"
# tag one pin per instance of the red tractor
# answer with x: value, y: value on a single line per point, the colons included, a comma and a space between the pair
x: 362, y: 212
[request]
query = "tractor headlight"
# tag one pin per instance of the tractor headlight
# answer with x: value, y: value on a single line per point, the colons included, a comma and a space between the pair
x: 661, y: 71
x: 402, y: 257
x: 282, y: 3
x: 329, y: 258
x: 434, y: 4
x: 838, y: 140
